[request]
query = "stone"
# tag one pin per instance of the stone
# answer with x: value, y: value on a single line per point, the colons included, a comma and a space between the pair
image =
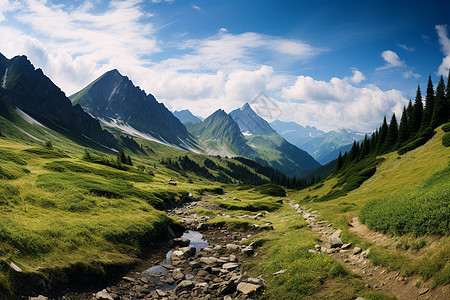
x: 228, y: 287
x: 189, y: 250
x: 361, y: 298
x: 177, y: 274
x: 346, y: 246
x: 102, y: 295
x: 128, y: 279
x: 161, y: 293
x: 233, y: 258
x: 280, y: 201
x: 227, y: 297
x: 184, y: 285
x: 356, y: 250
x: 335, y: 241
x: 40, y: 297
x: 230, y: 266
x: 208, y: 261
x: 15, y: 267
x: 233, y: 247
x: 423, y: 290
x: 365, y: 253
x: 182, y: 242
x: 248, y: 251
x: 194, y: 264
x: 279, y: 272
x: 248, y: 288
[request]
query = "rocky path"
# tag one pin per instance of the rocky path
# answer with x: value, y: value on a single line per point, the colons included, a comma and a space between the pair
x: 208, y: 267
x: 376, y: 277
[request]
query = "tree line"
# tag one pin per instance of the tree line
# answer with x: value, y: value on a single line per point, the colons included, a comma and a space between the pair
x: 416, y: 127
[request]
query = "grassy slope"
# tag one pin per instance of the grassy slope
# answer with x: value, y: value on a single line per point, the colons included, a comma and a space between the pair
x: 397, y: 176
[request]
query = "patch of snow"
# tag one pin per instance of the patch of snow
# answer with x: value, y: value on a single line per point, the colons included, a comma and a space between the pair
x: 112, y: 149
x: 28, y: 134
x: 32, y: 121
x: 4, y: 78
x: 134, y: 132
x: 247, y: 133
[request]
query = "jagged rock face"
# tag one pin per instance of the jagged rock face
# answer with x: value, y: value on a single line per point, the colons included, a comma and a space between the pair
x: 220, y: 129
x: 34, y: 93
x: 115, y: 97
x: 250, y: 122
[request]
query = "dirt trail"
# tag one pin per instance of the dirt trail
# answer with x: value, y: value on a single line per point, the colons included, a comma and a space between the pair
x: 377, y: 278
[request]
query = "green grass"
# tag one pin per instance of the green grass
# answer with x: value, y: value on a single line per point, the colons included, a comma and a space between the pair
x: 307, y: 275
x: 351, y: 178
x: 402, y: 182
x: 423, y: 210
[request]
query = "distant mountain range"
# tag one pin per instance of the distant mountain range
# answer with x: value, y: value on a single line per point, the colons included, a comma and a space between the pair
x: 323, y: 146
x: 118, y: 103
x: 35, y: 94
x: 185, y: 116
x: 124, y: 108
x: 243, y: 132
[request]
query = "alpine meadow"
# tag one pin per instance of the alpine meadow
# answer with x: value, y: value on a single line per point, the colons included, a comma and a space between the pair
x: 224, y: 150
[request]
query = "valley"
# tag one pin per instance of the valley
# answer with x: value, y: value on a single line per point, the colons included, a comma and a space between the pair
x: 99, y: 192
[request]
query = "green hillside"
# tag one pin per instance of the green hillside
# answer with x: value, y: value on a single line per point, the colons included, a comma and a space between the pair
x: 408, y: 198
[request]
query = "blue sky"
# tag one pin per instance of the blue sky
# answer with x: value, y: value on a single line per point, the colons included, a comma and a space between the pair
x: 331, y: 64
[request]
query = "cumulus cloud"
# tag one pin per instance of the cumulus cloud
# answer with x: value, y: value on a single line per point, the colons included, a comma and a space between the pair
x: 392, y: 60
x: 358, y: 76
x: 445, y: 47
x: 340, y: 103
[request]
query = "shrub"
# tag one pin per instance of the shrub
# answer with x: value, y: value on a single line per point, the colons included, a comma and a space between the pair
x: 271, y: 189
x: 446, y: 139
x: 446, y: 127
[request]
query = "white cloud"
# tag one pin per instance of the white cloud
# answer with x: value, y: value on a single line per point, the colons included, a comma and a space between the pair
x: 406, y: 48
x: 392, y: 60
x: 445, y: 47
x: 409, y: 74
x: 196, y: 7
x: 358, y: 76
x: 338, y: 103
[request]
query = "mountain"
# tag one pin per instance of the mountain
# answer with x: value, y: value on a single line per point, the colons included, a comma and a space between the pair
x: 270, y: 146
x: 249, y: 122
x: 185, y: 116
x: 323, y: 146
x: 293, y: 132
x: 117, y: 102
x: 221, y: 135
x: 35, y: 94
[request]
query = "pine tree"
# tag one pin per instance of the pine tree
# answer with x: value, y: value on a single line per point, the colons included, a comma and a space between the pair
x: 403, y: 132
x: 382, y: 136
x: 365, y: 147
x: 417, y: 114
x: 129, y: 162
x: 339, y: 163
x: 392, y: 135
x: 429, y: 103
x: 439, y: 108
x: 447, y: 96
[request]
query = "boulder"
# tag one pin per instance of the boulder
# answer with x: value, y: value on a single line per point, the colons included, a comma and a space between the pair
x: 230, y: 266
x: 102, y: 295
x: 356, y: 250
x: 185, y: 285
x: 182, y: 242
x: 335, y: 242
x: 248, y: 289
